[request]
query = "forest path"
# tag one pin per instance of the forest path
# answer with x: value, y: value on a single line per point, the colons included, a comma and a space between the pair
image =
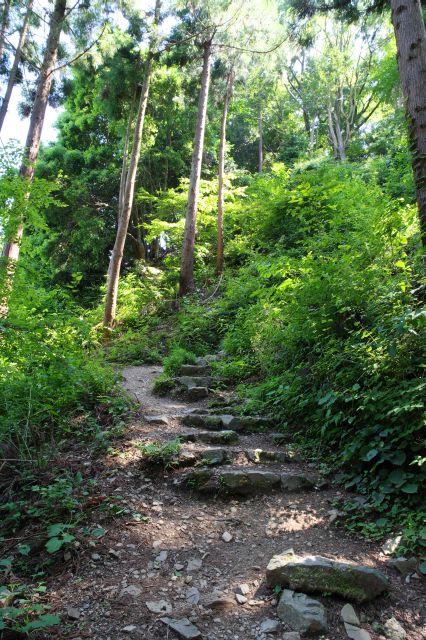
x: 177, y: 561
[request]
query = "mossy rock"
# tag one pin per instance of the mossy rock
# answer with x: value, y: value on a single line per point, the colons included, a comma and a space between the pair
x: 312, y: 574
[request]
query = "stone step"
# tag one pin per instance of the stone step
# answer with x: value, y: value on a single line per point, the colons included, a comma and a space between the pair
x: 210, y: 437
x: 243, y: 481
x: 193, y: 381
x: 194, y: 370
x: 224, y: 421
x: 197, y: 393
x: 264, y: 456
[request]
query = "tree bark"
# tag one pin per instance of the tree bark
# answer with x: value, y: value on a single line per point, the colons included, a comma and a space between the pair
x: 4, y: 25
x: 410, y: 35
x: 186, y: 283
x: 260, y: 132
x: 16, y: 61
x: 32, y: 145
x: 221, y: 174
x: 123, y: 222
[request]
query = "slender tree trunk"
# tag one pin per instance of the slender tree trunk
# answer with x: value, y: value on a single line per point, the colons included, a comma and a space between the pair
x: 410, y: 35
x: 332, y: 134
x: 4, y: 25
x: 12, y: 76
x: 123, y: 223
x: 123, y: 175
x: 341, y: 149
x: 11, y: 248
x: 221, y: 175
x: 260, y: 132
x: 186, y: 283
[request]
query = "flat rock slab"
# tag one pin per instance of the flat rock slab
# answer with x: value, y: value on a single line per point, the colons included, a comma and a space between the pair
x: 160, y: 420
x: 192, y: 370
x: 263, y: 456
x: 218, y: 437
x: 317, y: 574
x: 183, y: 627
x: 194, y: 381
x: 302, y: 613
x: 201, y: 421
x: 245, y: 423
x: 356, y: 633
x: 296, y: 482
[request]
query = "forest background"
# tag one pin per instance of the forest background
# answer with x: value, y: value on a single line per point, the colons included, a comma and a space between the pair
x: 314, y: 287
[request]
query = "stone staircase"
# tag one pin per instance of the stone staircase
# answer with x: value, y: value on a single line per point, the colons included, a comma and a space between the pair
x: 242, y: 457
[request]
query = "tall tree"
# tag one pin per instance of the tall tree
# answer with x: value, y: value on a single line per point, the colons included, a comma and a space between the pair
x: 221, y: 169
x: 4, y: 25
x: 410, y: 35
x: 186, y: 282
x: 127, y: 195
x: 16, y: 61
x: 12, y: 246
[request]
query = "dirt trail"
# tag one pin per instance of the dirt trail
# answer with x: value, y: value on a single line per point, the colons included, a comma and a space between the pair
x: 179, y: 556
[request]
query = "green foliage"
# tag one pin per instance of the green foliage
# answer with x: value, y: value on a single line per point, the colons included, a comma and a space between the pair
x: 157, y: 453
x: 24, y: 612
x: 176, y: 358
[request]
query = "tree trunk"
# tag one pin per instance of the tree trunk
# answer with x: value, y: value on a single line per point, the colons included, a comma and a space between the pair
x: 32, y: 145
x: 123, y: 223
x: 186, y: 283
x: 410, y: 35
x: 260, y: 131
x: 16, y: 61
x: 123, y: 176
x: 4, y: 25
x: 221, y: 175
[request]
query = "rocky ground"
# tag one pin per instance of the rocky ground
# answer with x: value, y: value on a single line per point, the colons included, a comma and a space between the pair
x: 189, y: 558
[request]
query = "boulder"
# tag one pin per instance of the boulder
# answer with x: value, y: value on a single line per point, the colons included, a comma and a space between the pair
x: 270, y: 626
x: 394, y: 630
x: 183, y: 627
x: 317, y: 574
x: 302, y: 613
x: 197, y: 393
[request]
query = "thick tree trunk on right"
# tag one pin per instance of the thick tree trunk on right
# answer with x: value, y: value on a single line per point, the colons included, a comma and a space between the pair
x: 410, y: 35
x: 12, y: 75
x: 32, y: 145
x: 221, y: 174
x: 127, y: 203
x: 186, y: 282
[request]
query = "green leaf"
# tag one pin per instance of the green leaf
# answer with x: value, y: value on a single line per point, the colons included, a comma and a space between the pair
x: 53, y: 545
x: 24, y: 549
x: 370, y: 455
x: 411, y: 487
x: 56, y: 529
x: 423, y: 567
x: 44, y: 621
x: 98, y: 532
